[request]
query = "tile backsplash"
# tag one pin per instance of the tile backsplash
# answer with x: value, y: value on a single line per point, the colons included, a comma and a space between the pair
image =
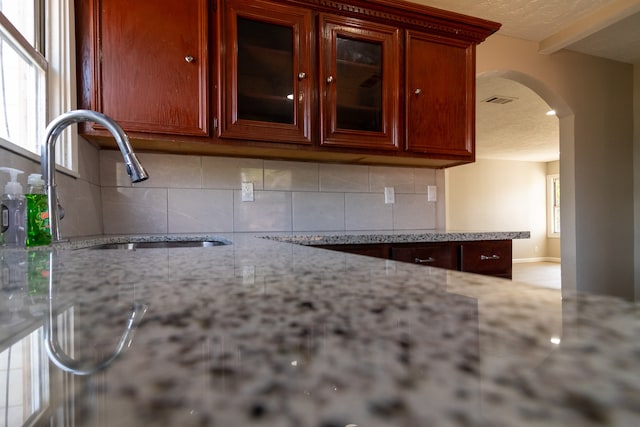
x: 191, y: 194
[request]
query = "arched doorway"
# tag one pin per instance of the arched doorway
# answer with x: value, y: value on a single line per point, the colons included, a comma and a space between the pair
x: 567, y: 166
x: 523, y: 84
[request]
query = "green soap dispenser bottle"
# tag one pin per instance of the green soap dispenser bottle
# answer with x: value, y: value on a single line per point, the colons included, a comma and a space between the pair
x: 38, y: 230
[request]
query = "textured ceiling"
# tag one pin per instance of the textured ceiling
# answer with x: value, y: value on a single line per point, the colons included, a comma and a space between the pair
x: 526, y: 19
x: 520, y: 130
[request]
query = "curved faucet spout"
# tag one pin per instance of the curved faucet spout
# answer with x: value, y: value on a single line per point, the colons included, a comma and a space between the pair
x: 48, y: 163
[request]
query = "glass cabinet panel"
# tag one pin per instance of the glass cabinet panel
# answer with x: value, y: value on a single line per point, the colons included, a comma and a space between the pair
x: 265, y: 72
x: 359, y: 84
x: 267, y: 75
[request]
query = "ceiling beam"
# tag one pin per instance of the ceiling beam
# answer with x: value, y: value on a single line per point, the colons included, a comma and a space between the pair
x: 592, y: 23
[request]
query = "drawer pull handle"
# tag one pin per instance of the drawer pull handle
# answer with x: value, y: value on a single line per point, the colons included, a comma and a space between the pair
x: 489, y: 258
x: 424, y: 261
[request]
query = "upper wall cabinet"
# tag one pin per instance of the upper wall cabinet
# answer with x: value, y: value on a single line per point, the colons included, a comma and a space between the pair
x: 359, y: 83
x: 145, y: 63
x: 267, y: 72
x: 440, y: 96
x: 382, y: 82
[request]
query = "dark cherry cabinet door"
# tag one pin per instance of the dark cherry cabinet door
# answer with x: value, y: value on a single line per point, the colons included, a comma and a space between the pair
x: 152, y: 61
x: 440, y: 96
x: 358, y: 83
x: 267, y: 72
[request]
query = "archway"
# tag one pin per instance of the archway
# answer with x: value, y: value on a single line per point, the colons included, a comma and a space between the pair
x: 567, y: 167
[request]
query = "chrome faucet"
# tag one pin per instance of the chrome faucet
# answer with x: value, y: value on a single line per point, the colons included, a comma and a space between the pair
x: 48, y: 163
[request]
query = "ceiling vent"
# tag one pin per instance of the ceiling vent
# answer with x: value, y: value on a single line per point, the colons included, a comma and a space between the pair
x: 499, y: 99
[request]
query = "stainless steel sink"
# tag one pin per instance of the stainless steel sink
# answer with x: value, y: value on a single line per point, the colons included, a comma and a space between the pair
x: 170, y: 244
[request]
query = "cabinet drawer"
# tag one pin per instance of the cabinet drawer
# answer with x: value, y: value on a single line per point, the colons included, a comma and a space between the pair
x: 487, y: 257
x: 443, y: 255
x: 377, y: 251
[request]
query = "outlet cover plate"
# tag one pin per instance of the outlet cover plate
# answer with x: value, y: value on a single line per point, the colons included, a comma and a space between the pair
x: 389, y: 195
x: 247, y: 192
x: 432, y: 193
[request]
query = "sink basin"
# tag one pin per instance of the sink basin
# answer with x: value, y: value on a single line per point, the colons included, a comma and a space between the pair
x: 171, y: 244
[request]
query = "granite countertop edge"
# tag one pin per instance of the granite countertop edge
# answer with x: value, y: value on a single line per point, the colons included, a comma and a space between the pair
x: 314, y: 238
x: 381, y: 237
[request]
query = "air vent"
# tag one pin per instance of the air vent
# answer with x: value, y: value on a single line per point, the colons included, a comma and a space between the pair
x: 499, y: 99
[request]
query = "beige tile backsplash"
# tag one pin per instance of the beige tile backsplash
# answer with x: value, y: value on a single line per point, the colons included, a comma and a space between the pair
x: 199, y: 210
x: 191, y: 194
x: 129, y: 210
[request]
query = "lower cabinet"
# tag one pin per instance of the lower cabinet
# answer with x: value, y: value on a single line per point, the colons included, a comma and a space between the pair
x: 443, y: 255
x: 488, y: 257
x: 372, y: 250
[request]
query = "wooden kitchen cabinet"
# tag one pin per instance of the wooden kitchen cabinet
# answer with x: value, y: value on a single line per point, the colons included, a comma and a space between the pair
x: 488, y: 257
x: 267, y: 72
x: 359, y: 83
x: 376, y: 82
x: 145, y: 63
x: 440, y: 96
x: 493, y: 257
x: 443, y: 255
x: 372, y: 250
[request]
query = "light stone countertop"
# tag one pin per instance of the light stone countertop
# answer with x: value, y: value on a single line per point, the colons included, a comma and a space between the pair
x: 266, y: 333
x: 404, y: 236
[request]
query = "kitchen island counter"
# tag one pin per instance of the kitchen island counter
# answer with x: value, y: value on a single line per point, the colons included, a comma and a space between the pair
x: 403, y: 236
x: 267, y: 333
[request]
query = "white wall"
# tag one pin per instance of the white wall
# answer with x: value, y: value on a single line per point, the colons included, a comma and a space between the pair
x: 500, y: 195
x: 594, y: 101
x: 636, y: 169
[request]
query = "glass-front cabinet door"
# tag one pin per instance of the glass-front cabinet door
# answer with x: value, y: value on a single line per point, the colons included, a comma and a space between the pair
x: 358, y: 83
x: 267, y: 76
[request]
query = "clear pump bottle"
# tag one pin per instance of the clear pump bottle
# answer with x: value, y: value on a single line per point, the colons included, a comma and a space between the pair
x: 13, y: 210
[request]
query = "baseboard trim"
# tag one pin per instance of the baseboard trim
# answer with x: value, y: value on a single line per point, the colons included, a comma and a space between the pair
x: 540, y: 259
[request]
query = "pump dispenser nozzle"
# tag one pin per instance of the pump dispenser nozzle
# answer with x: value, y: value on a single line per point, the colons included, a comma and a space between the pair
x: 13, y: 187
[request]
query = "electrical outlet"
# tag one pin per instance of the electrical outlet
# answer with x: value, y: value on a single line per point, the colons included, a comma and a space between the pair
x: 248, y: 274
x: 432, y: 193
x: 389, y: 195
x: 247, y: 192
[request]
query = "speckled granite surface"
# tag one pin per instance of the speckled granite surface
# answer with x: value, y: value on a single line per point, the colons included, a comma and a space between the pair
x: 418, y: 236
x: 266, y: 333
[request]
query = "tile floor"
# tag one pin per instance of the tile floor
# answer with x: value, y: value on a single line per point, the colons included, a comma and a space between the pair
x: 545, y: 274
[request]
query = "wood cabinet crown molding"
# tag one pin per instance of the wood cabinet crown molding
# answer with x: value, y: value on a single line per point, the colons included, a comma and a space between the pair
x: 410, y: 15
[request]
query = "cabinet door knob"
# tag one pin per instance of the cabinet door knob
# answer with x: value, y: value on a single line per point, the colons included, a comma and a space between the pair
x: 189, y: 58
x: 424, y: 261
x: 330, y: 79
x: 489, y: 257
x: 302, y: 75
x: 418, y: 91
